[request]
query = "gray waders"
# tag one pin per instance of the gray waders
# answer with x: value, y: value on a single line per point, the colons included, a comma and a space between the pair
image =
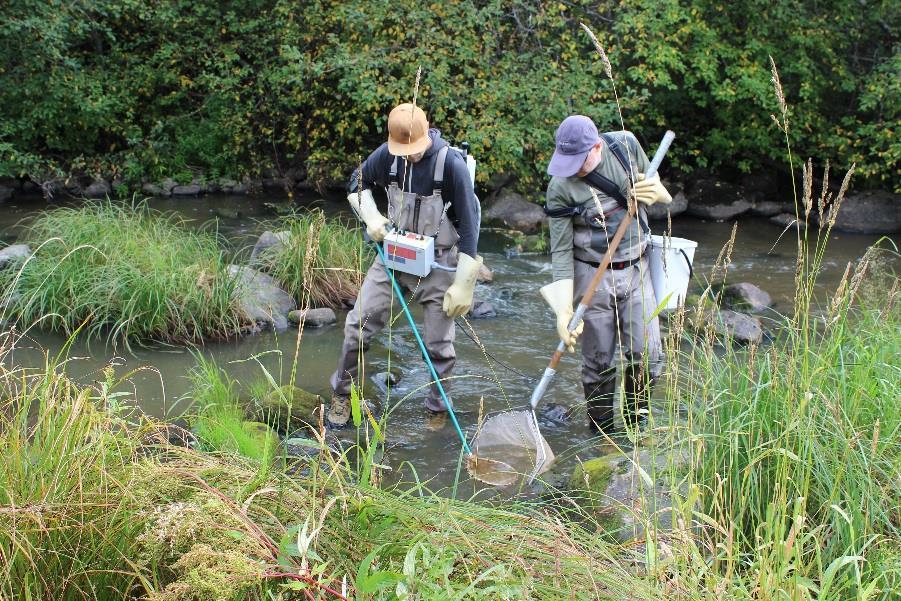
x: 423, y: 215
x: 616, y: 316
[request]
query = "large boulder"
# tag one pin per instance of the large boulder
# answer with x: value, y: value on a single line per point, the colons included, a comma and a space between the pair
x: 98, y: 189
x: 289, y: 408
x: 269, y: 242
x: 482, y: 310
x: 717, y: 200
x: 677, y: 207
x: 260, y: 298
x: 511, y: 210
x: 738, y: 327
x: 313, y: 318
x: 870, y: 212
x: 13, y: 255
x: 746, y: 296
x: 187, y: 190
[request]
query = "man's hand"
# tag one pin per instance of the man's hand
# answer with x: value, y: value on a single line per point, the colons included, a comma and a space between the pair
x: 559, y: 296
x: 458, y: 298
x: 651, y: 191
x: 364, y: 205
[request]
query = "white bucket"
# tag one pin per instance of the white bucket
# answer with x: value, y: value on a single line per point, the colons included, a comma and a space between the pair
x: 670, y: 263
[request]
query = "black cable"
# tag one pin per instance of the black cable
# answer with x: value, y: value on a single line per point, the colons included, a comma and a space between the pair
x: 495, y: 359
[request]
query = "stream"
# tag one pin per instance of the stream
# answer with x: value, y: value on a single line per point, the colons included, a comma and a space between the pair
x: 521, y: 337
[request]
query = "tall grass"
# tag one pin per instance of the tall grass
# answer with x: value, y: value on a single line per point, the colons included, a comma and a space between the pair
x: 323, y: 261
x: 128, y: 272
x: 791, y: 491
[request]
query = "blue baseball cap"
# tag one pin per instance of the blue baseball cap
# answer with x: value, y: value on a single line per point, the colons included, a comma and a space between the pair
x: 574, y: 138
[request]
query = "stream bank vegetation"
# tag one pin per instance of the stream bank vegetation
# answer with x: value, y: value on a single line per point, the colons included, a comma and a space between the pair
x: 124, y: 272
x: 321, y: 262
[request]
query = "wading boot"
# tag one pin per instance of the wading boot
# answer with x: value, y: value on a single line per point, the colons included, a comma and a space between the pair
x: 435, y: 420
x: 599, y: 398
x: 635, y: 393
x: 339, y: 411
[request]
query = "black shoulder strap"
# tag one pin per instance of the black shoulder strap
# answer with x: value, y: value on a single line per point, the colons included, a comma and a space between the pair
x: 564, y: 211
x: 392, y: 173
x: 438, y: 177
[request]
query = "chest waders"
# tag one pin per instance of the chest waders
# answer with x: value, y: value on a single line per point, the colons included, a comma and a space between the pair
x: 418, y: 214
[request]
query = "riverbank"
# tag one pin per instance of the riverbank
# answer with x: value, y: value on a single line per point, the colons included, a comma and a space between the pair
x: 777, y: 463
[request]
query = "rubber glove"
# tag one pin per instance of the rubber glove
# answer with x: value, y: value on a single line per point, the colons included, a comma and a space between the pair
x: 364, y: 204
x: 458, y: 298
x: 651, y: 191
x: 559, y: 296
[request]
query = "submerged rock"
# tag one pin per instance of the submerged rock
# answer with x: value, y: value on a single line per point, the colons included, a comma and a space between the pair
x: 260, y: 298
x: 482, y: 310
x: 745, y: 295
x: 386, y: 379
x: 13, y: 255
x: 313, y: 318
x: 289, y: 408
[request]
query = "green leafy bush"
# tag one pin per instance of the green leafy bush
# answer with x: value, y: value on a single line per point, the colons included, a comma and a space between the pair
x: 146, y: 90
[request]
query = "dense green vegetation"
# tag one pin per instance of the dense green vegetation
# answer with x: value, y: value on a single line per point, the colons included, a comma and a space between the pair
x: 123, y: 272
x: 140, y: 91
x: 321, y: 262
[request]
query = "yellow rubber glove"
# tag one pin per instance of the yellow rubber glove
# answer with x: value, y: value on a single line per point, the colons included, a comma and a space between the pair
x: 458, y: 298
x: 651, y: 191
x: 364, y: 204
x: 559, y: 296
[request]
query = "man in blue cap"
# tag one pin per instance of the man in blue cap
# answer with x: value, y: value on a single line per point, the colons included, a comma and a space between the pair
x: 593, y: 176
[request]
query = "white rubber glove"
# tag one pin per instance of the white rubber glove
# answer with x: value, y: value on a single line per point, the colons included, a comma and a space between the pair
x: 559, y: 296
x: 651, y: 191
x: 458, y: 298
x: 364, y: 204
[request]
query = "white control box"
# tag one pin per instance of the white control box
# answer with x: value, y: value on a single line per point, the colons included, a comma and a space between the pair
x: 410, y: 253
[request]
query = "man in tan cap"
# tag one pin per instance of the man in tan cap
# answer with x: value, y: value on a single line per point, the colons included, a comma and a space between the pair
x: 429, y: 192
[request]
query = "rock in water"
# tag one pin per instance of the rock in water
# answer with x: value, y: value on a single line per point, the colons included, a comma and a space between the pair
x: 677, y: 207
x: 739, y: 327
x: 482, y: 310
x: 260, y: 298
x: 485, y: 276
x: 13, y: 255
x: 313, y: 318
x: 289, y: 408
x: 870, y: 212
x: 269, y: 242
x: 745, y: 295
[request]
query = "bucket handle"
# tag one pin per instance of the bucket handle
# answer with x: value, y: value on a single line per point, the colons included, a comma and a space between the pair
x: 691, y: 272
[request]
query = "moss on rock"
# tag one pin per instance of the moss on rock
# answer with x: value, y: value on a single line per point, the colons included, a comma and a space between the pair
x: 288, y: 408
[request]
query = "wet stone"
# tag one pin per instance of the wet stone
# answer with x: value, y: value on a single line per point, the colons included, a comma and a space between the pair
x: 289, y: 408
x: 747, y: 296
x: 556, y: 414
x: 485, y: 275
x: 482, y: 310
x: 739, y: 327
x: 313, y: 318
x: 13, y: 255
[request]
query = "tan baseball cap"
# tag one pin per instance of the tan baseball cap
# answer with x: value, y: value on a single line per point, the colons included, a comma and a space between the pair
x: 408, y: 130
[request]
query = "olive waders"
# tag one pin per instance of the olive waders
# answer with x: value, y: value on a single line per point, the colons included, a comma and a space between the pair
x: 427, y: 215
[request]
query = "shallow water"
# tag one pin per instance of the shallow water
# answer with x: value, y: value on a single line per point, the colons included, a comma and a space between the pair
x: 521, y: 338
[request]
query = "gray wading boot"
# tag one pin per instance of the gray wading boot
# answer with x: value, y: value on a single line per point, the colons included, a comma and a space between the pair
x: 636, y: 390
x: 599, y: 397
x: 339, y: 411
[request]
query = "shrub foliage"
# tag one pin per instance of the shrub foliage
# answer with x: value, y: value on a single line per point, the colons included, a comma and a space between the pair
x: 143, y: 90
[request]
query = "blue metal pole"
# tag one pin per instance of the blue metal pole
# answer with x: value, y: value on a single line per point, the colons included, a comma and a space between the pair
x: 425, y: 354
